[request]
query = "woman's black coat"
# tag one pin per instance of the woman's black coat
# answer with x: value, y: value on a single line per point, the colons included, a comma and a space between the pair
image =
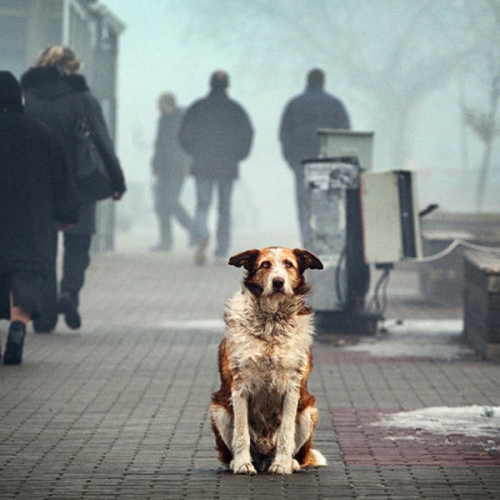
x: 59, y: 102
x: 36, y: 190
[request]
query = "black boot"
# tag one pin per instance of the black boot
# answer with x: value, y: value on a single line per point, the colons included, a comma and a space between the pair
x: 15, y: 343
x: 68, y: 306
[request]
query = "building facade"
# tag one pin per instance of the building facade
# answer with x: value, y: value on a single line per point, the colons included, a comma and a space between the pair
x: 92, y: 31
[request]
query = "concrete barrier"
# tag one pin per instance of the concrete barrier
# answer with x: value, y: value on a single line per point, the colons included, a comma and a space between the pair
x: 482, y: 302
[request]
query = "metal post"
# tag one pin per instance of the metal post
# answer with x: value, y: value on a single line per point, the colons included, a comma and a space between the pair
x: 66, y: 20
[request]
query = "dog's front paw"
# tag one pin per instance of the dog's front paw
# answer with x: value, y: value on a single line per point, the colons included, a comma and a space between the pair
x: 283, y: 465
x: 242, y: 467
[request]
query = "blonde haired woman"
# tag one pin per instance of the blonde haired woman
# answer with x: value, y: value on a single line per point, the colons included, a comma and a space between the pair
x: 57, y: 95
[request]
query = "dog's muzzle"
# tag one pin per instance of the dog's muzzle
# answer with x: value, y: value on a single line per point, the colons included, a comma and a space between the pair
x: 278, y: 284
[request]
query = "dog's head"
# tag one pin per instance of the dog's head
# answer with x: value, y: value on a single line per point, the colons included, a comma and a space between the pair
x: 276, y: 271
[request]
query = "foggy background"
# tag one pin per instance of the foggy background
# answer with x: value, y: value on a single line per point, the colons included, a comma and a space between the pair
x: 409, y: 70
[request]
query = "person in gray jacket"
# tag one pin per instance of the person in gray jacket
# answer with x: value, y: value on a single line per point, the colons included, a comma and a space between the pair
x: 59, y: 97
x: 298, y: 133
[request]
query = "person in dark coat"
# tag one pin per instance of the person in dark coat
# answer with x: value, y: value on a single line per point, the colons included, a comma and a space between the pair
x: 60, y: 97
x: 169, y: 165
x: 302, y: 117
x: 217, y: 133
x: 36, y: 193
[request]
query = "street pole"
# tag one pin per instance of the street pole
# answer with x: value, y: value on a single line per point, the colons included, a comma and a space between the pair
x: 66, y: 22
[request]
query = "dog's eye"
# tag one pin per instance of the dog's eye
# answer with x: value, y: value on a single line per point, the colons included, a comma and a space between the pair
x: 265, y: 265
x: 287, y: 264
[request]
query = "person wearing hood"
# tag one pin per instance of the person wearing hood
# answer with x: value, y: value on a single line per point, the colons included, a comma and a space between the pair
x: 57, y: 95
x: 217, y: 133
x: 298, y: 133
x: 37, y: 194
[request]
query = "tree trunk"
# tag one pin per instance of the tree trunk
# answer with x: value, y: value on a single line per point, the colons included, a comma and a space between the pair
x: 488, y: 146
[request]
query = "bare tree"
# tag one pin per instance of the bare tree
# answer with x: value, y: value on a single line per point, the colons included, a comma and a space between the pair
x: 484, y: 17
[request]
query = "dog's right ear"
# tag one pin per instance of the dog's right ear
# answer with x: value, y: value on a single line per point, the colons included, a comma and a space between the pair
x: 307, y: 260
x: 246, y: 259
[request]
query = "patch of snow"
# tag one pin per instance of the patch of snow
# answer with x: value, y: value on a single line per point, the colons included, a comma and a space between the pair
x: 472, y: 421
x: 433, y: 339
x: 402, y: 438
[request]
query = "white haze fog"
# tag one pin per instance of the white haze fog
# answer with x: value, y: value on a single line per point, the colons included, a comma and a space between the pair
x: 403, y: 69
x: 155, y: 56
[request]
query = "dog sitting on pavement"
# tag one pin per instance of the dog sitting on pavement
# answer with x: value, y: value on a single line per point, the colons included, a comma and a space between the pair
x: 263, y: 416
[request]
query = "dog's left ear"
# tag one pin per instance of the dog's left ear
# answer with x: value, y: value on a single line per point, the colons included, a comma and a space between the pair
x: 307, y: 260
x: 245, y: 259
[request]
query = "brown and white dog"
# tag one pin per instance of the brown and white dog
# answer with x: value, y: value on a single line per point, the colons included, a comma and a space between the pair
x: 263, y: 416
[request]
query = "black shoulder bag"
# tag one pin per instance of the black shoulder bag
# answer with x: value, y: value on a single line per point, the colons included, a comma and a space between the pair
x: 92, y: 176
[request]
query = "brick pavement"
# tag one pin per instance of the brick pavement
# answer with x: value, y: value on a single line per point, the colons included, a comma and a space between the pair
x: 119, y: 409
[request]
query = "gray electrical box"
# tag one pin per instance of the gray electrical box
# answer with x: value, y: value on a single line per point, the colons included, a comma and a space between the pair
x: 391, y: 224
x: 327, y: 181
x: 347, y: 144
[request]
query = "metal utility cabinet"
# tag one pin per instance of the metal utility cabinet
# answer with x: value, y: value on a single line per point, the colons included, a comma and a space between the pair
x: 391, y: 222
x: 335, y: 230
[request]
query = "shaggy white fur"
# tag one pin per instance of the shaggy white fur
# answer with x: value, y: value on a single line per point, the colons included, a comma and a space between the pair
x: 263, y: 416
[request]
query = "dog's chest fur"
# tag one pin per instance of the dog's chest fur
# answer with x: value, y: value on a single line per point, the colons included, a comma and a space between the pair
x: 268, y: 348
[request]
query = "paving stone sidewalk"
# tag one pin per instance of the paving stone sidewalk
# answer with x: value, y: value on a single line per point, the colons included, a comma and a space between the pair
x: 119, y: 409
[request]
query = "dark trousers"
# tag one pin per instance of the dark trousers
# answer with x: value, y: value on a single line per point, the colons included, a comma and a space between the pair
x: 76, y: 259
x: 302, y: 206
x: 168, y: 205
x: 204, y: 193
x: 75, y: 262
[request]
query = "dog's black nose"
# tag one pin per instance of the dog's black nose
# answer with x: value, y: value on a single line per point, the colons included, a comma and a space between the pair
x: 278, y: 283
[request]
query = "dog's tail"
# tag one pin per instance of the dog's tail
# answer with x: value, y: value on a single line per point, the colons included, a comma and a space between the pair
x: 319, y: 459
x: 314, y: 458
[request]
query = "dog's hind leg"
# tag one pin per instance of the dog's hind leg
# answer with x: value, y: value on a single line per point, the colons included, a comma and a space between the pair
x: 222, y: 426
x: 305, y: 455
